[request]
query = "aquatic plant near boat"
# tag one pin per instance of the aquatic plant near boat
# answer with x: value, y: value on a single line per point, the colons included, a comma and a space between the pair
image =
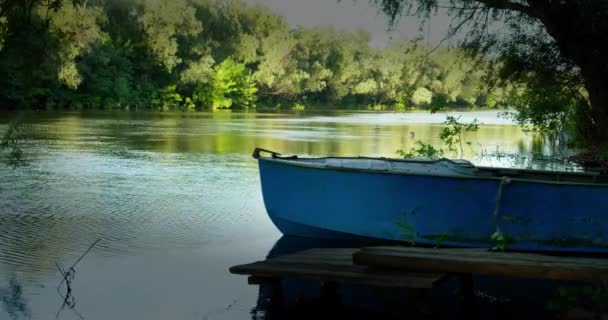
x: 501, y: 239
x: 408, y: 231
x: 454, y: 136
x: 440, y: 239
x: 423, y: 150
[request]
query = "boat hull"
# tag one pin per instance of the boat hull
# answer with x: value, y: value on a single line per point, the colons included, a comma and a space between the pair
x: 435, y: 210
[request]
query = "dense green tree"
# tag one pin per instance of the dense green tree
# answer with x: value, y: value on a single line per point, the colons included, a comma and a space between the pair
x: 29, y: 63
x: 278, y: 73
x: 164, y: 22
x: 198, y: 71
x: 193, y: 54
x: 422, y: 96
x: 77, y: 29
x: 231, y: 84
x: 108, y: 77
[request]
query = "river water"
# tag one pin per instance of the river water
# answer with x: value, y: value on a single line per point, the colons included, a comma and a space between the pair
x: 175, y: 200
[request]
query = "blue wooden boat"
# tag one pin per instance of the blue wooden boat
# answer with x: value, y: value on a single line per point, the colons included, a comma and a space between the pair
x: 435, y: 202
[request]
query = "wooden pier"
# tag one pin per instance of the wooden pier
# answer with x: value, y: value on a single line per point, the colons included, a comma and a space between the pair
x: 334, y: 265
x: 420, y: 269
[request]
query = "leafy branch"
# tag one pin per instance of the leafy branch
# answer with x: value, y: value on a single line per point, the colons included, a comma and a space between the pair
x: 454, y: 134
x: 454, y: 137
x: 408, y: 231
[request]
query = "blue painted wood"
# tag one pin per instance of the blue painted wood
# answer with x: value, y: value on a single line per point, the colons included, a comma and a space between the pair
x: 449, y: 211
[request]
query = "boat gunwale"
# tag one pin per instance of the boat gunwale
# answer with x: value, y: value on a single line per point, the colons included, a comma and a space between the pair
x: 295, y: 162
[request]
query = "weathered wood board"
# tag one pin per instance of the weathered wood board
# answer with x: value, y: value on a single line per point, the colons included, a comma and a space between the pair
x: 480, y: 261
x: 334, y: 265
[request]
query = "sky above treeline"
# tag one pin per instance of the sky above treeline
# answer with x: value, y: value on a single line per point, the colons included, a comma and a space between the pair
x: 351, y: 15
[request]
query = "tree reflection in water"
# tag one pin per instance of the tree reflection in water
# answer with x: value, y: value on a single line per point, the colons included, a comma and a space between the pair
x: 13, y: 302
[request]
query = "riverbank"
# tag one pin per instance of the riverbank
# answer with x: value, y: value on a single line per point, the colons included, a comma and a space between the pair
x: 278, y: 107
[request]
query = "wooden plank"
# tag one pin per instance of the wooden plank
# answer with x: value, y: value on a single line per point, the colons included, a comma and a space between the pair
x: 485, y: 262
x: 485, y: 253
x: 322, y: 273
x: 331, y: 265
x: 256, y: 280
x: 319, y: 256
x: 480, y: 255
x: 326, y: 252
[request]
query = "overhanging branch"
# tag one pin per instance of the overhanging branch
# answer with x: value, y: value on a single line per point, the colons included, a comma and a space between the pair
x: 508, y: 5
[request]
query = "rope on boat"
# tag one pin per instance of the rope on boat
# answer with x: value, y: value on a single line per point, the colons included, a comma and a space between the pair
x: 503, y: 181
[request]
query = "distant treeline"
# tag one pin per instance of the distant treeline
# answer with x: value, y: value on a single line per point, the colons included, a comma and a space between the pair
x: 196, y: 54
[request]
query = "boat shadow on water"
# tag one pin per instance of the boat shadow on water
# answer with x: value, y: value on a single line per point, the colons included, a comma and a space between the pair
x: 495, y: 297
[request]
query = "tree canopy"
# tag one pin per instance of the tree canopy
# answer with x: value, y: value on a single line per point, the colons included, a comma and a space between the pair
x: 193, y: 54
x: 555, y: 50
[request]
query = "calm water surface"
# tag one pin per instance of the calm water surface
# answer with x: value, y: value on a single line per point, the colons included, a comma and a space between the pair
x: 175, y: 200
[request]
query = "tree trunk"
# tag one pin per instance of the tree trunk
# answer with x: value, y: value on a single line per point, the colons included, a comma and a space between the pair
x: 579, y: 29
x: 597, y: 86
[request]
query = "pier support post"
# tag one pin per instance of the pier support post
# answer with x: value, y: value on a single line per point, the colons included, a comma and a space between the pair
x: 276, y: 307
x: 329, y: 293
x: 467, y: 290
x: 423, y: 303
